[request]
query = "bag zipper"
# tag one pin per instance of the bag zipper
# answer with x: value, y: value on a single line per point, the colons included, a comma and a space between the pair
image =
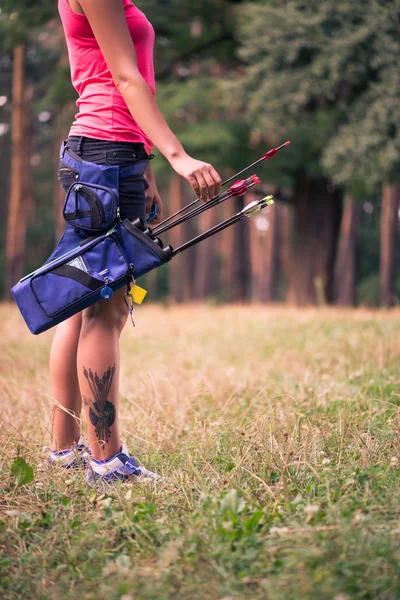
x: 61, y: 260
x: 71, y: 172
x: 114, y: 196
x: 84, y: 190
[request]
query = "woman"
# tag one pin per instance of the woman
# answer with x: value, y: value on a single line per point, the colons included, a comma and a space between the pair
x: 110, y: 46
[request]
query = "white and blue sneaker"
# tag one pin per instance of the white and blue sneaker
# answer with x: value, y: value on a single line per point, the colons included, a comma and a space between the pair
x: 121, y: 467
x: 70, y: 459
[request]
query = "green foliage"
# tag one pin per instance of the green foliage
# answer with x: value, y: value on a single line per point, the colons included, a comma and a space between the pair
x: 194, y: 50
x: 293, y: 67
x: 59, y: 91
x: 22, y: 472
x: 367, y: 146
x: 188, y: 31
x: 368, y: 291
x: 17, y: 18
x: 194, y: 109
x: 341, y: 58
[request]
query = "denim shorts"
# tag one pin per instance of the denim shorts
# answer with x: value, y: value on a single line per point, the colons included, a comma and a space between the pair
x: 132, y: 190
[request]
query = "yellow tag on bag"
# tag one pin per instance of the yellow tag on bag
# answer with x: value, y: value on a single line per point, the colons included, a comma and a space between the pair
x: 137, y: 294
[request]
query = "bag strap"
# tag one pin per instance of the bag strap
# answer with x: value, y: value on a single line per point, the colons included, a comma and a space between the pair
x: 64, y: 148
x: 77, y: 215
x: 80, y: 276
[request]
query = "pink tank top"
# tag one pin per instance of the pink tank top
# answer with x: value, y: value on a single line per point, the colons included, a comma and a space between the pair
x: 103, y: 113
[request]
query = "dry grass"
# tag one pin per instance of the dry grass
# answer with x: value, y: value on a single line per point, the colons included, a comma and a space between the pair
x: 278, y: 430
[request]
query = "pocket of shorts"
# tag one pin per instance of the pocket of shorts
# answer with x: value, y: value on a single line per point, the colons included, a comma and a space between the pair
x: 124, y: 157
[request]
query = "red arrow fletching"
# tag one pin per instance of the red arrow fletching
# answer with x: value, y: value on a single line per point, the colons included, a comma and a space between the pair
x: 238, y: 188
x: 255, y: 180
x: 271, y: 153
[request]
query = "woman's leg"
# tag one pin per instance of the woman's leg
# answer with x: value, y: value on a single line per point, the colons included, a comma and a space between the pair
x: 64, y: 384
x: 98, y: 372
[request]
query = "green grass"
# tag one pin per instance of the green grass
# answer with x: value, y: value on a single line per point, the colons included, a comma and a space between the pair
x: 278, y: 431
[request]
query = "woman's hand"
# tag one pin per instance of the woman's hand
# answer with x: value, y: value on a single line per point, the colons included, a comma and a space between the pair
x: 153, y: 197
x: 203, y: 178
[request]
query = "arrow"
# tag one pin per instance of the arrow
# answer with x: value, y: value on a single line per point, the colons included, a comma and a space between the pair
x: 248, y: 211
x: 239, y: 188
x: 267, y: 156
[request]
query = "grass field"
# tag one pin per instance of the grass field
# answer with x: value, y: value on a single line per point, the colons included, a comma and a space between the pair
x: 278, y: 431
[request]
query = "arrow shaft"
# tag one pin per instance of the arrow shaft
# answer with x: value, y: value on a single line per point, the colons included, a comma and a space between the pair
x: 209, y: 233
x: 163, y: 227
x: 217, y: 228
x: 243, y: 171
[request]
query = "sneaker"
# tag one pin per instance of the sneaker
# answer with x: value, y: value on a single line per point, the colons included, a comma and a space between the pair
x: 121, y: 467
x: 69, y: 459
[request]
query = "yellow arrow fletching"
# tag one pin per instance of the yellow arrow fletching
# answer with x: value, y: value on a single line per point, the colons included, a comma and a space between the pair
x: 268, y: 200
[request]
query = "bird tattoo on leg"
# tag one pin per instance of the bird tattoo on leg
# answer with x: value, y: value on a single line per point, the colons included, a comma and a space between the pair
x: 101, y: 411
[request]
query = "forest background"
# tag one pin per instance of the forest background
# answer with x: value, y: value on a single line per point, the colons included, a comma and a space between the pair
x: 234, y: 79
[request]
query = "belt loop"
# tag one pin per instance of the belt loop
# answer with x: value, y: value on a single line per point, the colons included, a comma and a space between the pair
x: 79, y: 147
x: 62, y: 148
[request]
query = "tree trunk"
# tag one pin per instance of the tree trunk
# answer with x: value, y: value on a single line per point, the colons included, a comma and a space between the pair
x: 190, y: 231
x: 316, y: 229
x: 175, y: 238
x: 241, y: 257
x: 285, y: 232
x: 389, y: 242
x: 61, y: 127
x: 206, y: 272
x: 235, y: 255
x: 258, y: 231
x: 15, y: 236
x: 58, y: 190
x: 187, y: 231
x: 345, y: 267
x: 28, y: 190
x: 285, y: 229
x: 264, y: 254
x: 226, y: 243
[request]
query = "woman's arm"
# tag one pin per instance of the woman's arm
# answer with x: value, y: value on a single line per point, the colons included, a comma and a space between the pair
x: 108, y: 22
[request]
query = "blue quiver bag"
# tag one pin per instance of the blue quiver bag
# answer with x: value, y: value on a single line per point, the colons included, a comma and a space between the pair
x: 97, y: 254
x: 86, y: 274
